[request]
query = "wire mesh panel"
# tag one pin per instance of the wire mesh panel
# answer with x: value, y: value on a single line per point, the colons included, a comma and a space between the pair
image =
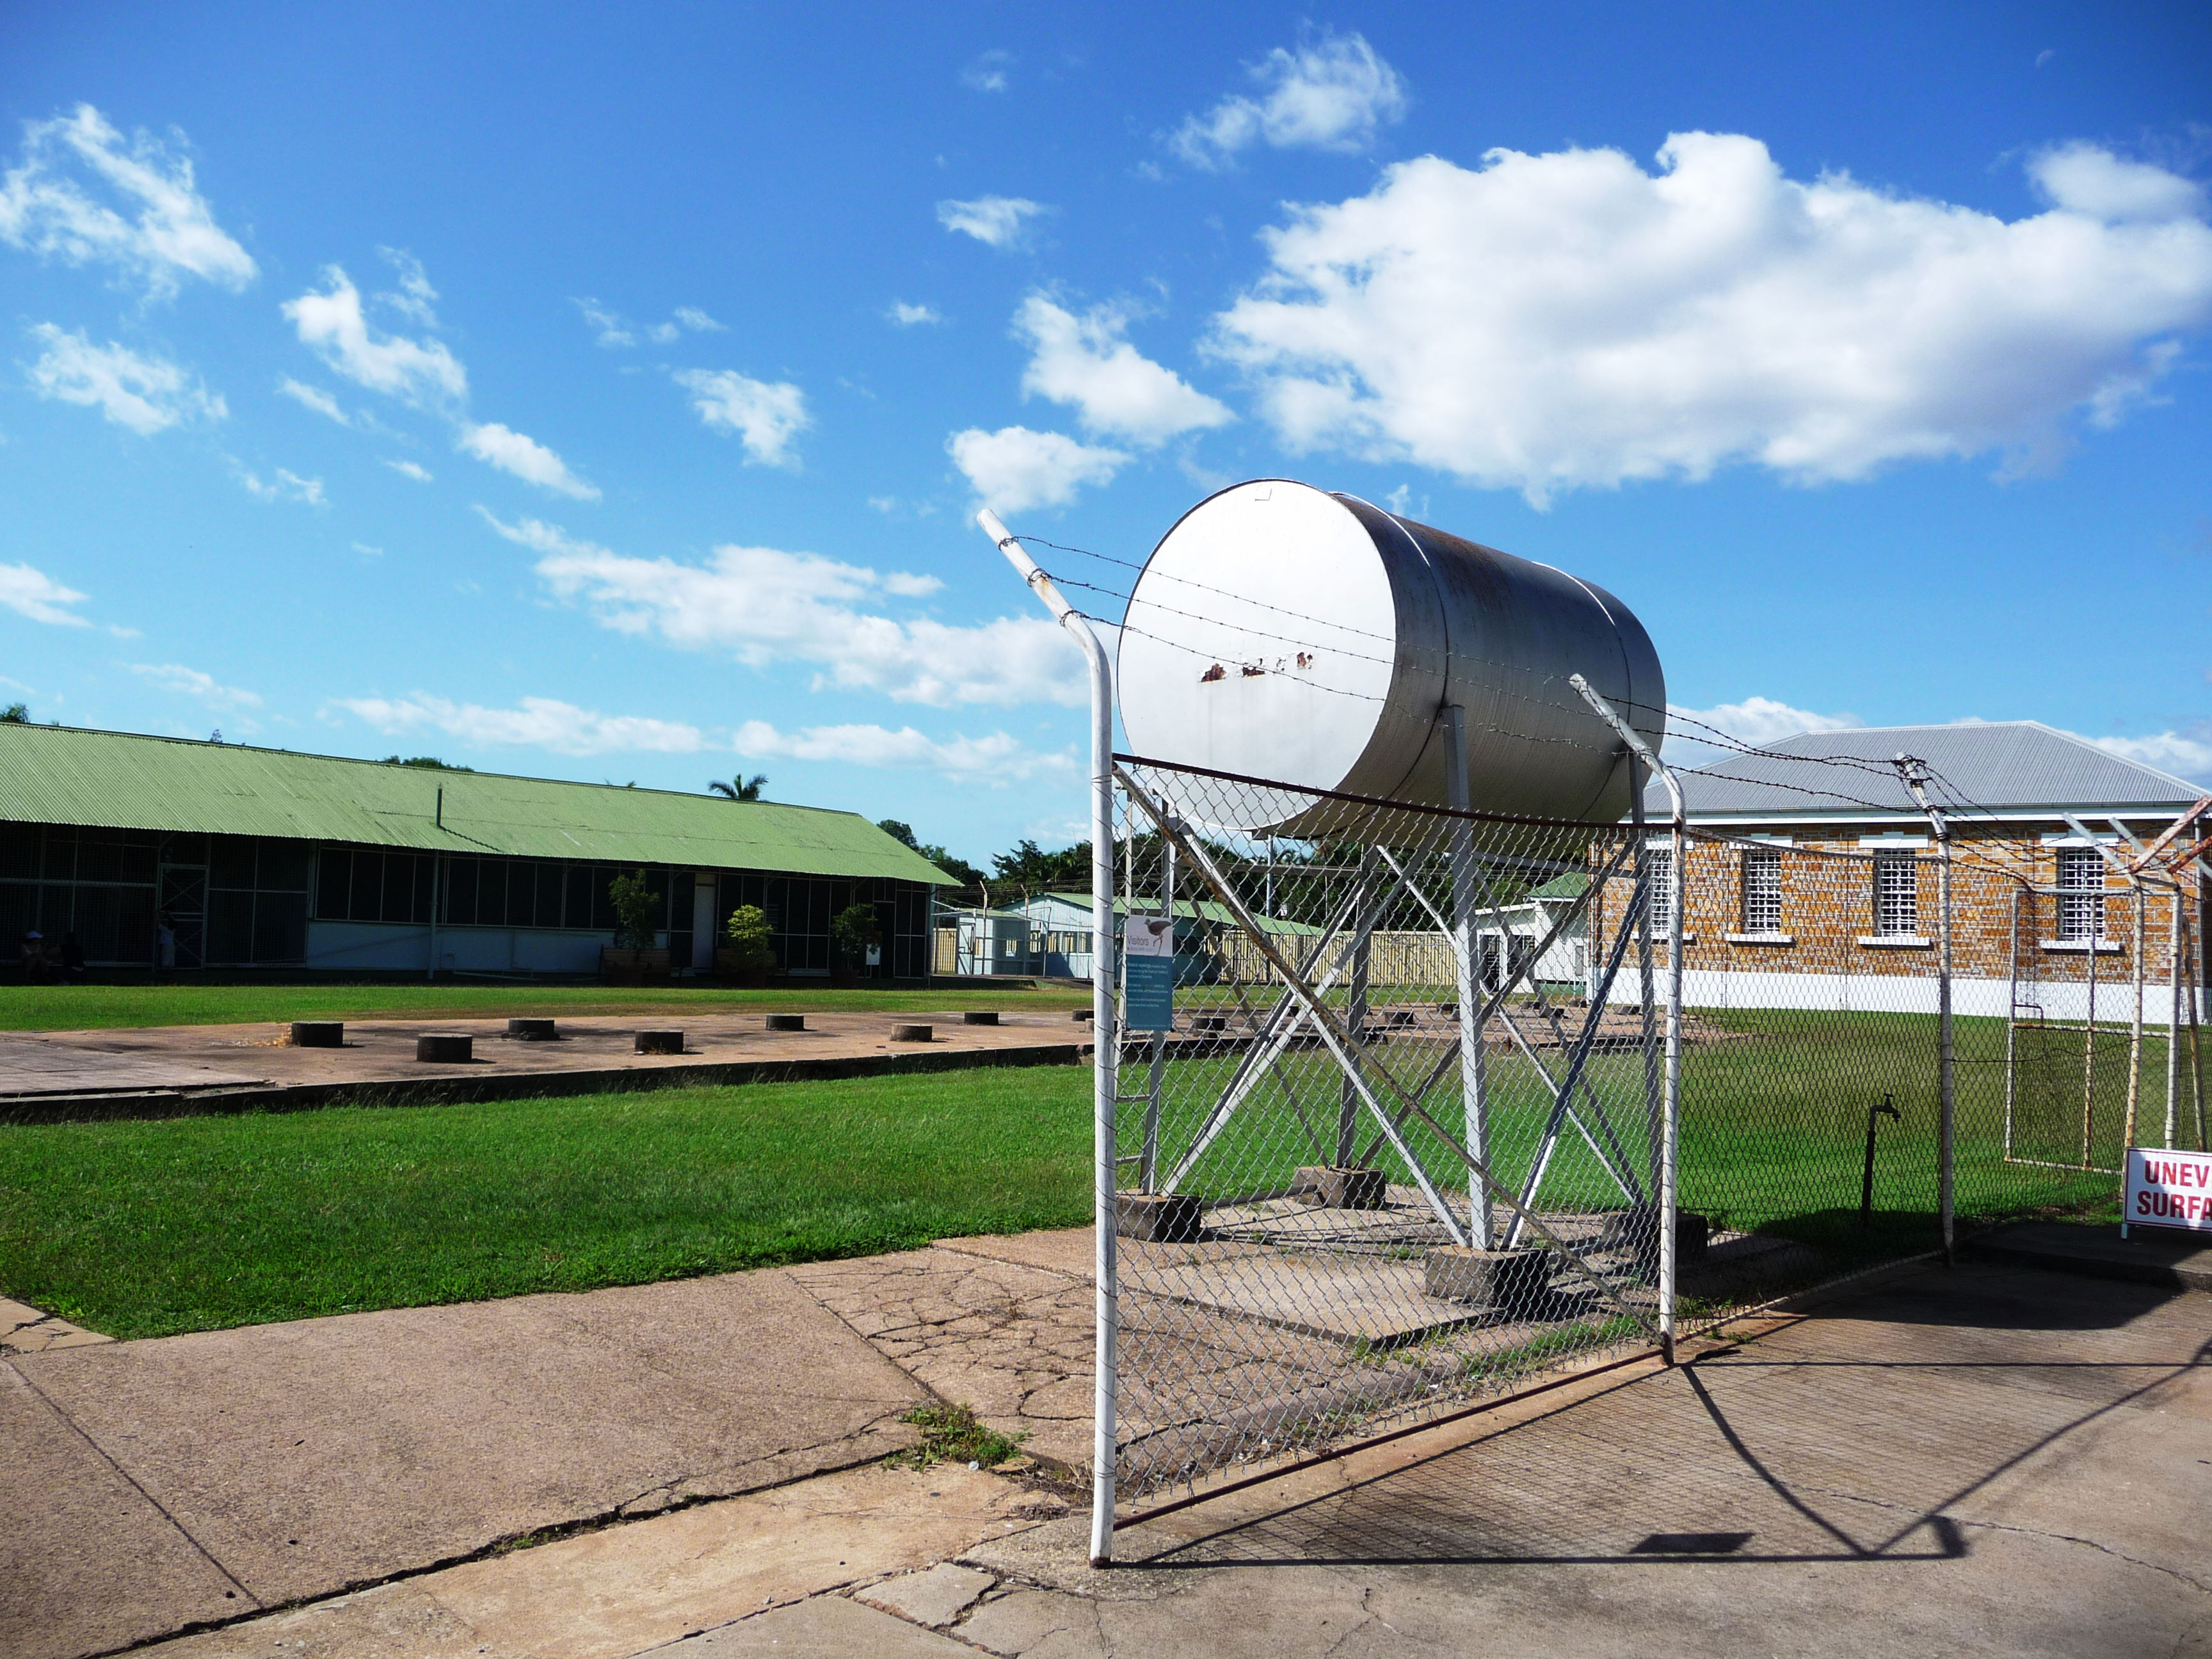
x: 1394, y: 1143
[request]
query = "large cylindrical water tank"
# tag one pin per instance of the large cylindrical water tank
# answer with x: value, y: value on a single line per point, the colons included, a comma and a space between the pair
x: 1281, y: 632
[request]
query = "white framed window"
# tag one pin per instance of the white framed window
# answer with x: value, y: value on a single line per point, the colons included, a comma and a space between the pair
x: 1659, y: 861
x: 2080, y: 894
x: 1896, y: 896
x: 1762, y: 890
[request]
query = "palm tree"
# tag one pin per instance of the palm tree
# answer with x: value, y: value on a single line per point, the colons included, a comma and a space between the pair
x: 739, y: 787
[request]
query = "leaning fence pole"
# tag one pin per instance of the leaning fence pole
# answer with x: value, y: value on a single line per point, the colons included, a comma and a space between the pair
x: 2173, y: 959
x: 1671, y: 1098
x: 1915, y: 774
x: 1105, y: 1082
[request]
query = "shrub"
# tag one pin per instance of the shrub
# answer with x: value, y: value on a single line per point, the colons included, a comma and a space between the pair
x: 748, y: 933
x: 637, y: 911
x: 853, y: 929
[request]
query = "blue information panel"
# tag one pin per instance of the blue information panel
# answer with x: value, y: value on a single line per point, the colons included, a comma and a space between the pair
x: 1148, y: 974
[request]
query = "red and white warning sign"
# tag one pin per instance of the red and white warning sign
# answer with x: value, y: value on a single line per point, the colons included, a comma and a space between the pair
x: 2167, y: 1189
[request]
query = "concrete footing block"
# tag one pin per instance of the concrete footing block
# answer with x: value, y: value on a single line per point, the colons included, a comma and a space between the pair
x: 786, y: 1021
x: 446, y: 1048
x: 533, y: 1030
x: 1508, y: 1280
x: 913, y: 1033
x: 660, y: 1043
x: 1158, y: 1217
x: 1333, y: 1188
x: 319, y: 1034
x: 1638, y: 1230
x: 980, y: 1016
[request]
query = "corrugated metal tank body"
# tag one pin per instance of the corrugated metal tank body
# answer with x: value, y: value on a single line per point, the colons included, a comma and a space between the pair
x: 1281, y: 632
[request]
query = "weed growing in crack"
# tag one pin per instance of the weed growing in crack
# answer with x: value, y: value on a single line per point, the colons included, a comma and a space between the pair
x: 953, y: 1434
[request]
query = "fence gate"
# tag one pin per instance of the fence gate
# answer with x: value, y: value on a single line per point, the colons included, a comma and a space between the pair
x: 1396, y: 1140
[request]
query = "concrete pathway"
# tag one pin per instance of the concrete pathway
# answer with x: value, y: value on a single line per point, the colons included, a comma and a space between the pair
x: 1987, y: 1461
x: 155, y: 1485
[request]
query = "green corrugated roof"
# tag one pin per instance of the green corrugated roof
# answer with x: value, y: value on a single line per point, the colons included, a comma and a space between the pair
x: 56, y: 774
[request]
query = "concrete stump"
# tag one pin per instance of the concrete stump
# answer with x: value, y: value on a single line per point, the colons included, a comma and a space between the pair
x: 913, y: 1034
x: 319, y: 1034
x: 786, y: 1021
x: 1158, y: 1217
x: 1209, y: 1022
x: 1637, y: 1231
x: 533, y: 1030
x: 980, y: 1016
x: 1332, y: 1188
x: 660, y: 1043
x: 446, y: 1048
x: 1509, y: 1281
x: 1082, y: 1016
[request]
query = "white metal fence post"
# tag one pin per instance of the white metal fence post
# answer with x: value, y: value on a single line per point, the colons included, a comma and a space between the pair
x: 1105, y: 1082
x: 1671, y: 1096
x: 1465, y: 947
x: 1915, y: 774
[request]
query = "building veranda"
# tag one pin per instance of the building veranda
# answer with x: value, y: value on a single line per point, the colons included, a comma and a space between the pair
x: 209, y: 855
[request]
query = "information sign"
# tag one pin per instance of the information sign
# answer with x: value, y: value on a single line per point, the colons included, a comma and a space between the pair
x: 1148, y: 974
x: 2167, y: 1189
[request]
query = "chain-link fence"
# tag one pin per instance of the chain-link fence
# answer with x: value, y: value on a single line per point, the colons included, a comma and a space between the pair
x: 1393, y: 1115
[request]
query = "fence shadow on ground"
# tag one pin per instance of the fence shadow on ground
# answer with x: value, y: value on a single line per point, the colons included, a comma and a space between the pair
x: 1861, y: 1436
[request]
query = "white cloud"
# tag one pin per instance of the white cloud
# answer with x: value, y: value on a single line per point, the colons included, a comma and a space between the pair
x: 989, y: 71
x: 420, y: 372
x: 1083, y: 360
x: 525, y: 458
x: 367, y: 551
x: 996, y: 758
x: 612, y: 329
x: 615, y: 330
x: 2089, y: 180
x: 146, y: 394
x: 994, y: 221
x: 417, y: 300
x: 1546, y: 322
x: 1755, y: 720
x: 411, y: 469
x: 154, y: 225
x: 191, y: 682
x: 1014, y: 468
x: 766, y: 416
x: 764, y: 606
x: 1330, y: 95
x: 314, y: 397
x: 538, y: 723
x: 907, y: 316
x: 2186, y: 754
x: 285, y: 487
x: 33, y: 594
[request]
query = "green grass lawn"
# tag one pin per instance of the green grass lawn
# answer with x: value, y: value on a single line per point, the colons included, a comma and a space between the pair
x: 142, y: 1228
x: 88, y: 1007
x: 139, y: 1228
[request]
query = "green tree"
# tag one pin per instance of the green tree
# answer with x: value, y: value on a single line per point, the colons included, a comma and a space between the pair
x: 853, y: 930
x: 1032, y: 869
x: 638, y: 910
x: 15, y: 713
x: 750, y: 942
x: 958, y: 868
x: 426, y: 762
x: 739, y: 787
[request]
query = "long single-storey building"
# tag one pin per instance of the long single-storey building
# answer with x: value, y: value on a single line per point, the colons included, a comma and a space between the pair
x: 262, y: 857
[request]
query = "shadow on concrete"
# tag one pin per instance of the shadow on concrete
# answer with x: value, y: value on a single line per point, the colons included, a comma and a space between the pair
x: 1856, y: 1436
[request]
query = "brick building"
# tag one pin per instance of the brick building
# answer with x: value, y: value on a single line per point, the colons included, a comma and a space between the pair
x: 1811, y: 879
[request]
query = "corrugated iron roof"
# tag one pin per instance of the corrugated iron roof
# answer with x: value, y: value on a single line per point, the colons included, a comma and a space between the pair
x: 2006, y: 766
x: 58, y: 775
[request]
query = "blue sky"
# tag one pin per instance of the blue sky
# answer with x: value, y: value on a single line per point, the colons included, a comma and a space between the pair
x: 606, y: 392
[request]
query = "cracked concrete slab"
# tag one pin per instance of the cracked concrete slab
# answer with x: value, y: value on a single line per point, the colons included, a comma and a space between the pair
x: 937, y: 1596
x: 646, y: 1585
x: 24, y: 1329
x: 309, y: 1456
